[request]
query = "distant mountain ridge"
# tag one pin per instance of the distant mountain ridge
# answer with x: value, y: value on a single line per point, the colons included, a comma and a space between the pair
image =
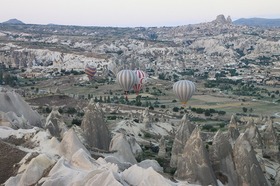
x: 262, y: 22
x: 13, y: 21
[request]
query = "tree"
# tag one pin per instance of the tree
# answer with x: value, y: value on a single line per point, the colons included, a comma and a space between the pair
x: 175, y: 109
x: 244, y: 109
x: 207, y: 113
x: 108, y: 99
x: 95, y: 99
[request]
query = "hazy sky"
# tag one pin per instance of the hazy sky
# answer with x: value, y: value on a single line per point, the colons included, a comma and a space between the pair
x: 133, y: 12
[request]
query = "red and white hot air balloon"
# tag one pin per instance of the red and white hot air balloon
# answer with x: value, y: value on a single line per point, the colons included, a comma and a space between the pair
x: 184, y: 89
x: 126, y: 79
x: 140, y: 80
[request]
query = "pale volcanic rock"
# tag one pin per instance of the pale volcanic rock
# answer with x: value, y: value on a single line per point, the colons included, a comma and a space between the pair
x: 151, y: 163
x: 277, y: 177
x: 194, y: 165
x: 233, y: 131
x: 271, y: 142
x: 34, y: 171
x: 124, y: 153
x: 253, y: 135
x: 247, y: 166
x: 136, y: 175
x: 10, y: 119
x: 70, y: 144
x: 222, y: 160
x: 55, y: 124
x: 13, y: 102
x: 134, y: 146
x: 183, y: 133
x: 162, y: 147
x: 95, y: 130
x: 220, y: 19
x: 229, y: 19
x: 114, y: 160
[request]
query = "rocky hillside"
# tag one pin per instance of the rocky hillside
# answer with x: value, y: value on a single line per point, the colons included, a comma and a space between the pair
x: 214, y: 44
x: 260, y: 22
x: 13, y: 21
x: 56, y: 154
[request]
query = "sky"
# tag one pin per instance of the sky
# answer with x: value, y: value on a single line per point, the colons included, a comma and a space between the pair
x: 133, y: 13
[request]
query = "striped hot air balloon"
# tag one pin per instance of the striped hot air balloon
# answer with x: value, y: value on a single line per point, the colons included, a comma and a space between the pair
x: 126, y: 79
x: 90, y: 71
x: 184, y: 89
x: 140, y: 80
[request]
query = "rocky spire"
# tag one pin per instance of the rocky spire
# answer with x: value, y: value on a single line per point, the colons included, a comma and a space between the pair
x: 13, y: 102
x: 120, y: 144
x: 233, y: 131
x: 94, y: 127
x: 194, y: 165
x: 233, y: 122
x: 70, y: 144
x: 220, y: 19
x: 55, y: 124
x: 146, y: 118
x: 183, y: 133
x: 277, y: 177
x: 247, y: 166
x: 162, y: 147
x: 229, y: 20
x: 271, y: 142
x: 222, y: 160
x: 253, y: 135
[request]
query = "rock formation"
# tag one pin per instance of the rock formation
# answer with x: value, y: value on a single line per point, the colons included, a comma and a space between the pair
x: 151, y: 163
x: 33, y: 172
x: 194, y: 165
x: 134, y: 146
x: 124, y: 153
x: 247, y: 166
x: 70, y: 144
x: 95, y: 129
x: 233, y: 131
x: 183, y: 133
x: 222, y: 160
x: 277, y: 177
x: 147, y: 177
x: 162, y: 148
x: 55, y: 124
x: 12, y: 102
x: 229, y: 20
x: 220, y: 19
x: 271, y: 142
x: 8, y: 160
x: 253, y: 135
x: 146, y: 118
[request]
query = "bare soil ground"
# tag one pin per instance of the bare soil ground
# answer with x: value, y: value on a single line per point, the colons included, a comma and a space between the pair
x: 9, y: 156
x: 57, y: 100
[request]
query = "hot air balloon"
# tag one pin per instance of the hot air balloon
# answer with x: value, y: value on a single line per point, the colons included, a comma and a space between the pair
x: 126, y: 79
x: 90, y: 71
x: 140, y: 80
x: 184, y: 90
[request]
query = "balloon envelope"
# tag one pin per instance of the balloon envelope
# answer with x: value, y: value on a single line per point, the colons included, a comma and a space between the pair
x: 126, y: 79
x: 90, y: 71
x: 184, y: 89
x: 140, y: 80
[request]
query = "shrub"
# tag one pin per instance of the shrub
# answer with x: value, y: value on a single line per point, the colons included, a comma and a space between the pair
x: 77, y: 121
x: 175, y: 109
x: 71, y: 110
